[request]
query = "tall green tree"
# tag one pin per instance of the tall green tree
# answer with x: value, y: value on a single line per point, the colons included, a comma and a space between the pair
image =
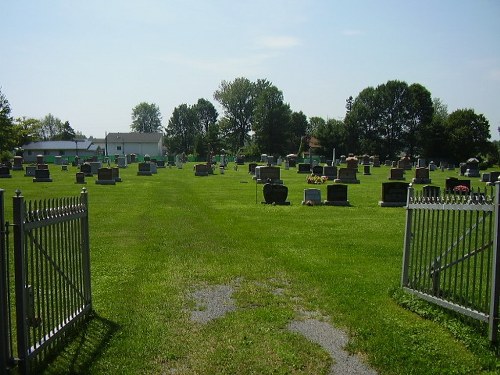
x: 50, y: 127
x: 27, y: 130
x: 271, y: 121
x: 331, y: 135
x: 432, y: 140
x: 65, y: 133
x: 7, y: 132
x: 468, y: 134
x: 237, y: 98
x: 207, y: 114
x: 183, y: 129
x: 420, y: 115
x: 146, y: 118
x: 298, y: 129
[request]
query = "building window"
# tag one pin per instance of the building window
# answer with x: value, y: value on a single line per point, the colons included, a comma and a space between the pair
x: 118, y: 148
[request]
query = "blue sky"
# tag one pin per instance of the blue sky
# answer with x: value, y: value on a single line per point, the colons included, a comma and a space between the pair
x: 90, y: 62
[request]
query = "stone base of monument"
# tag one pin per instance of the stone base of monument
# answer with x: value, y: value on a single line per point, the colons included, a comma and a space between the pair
x: 42, y: 179
x: 105, y: 182
x: 144, y: 173
x: 336, y: 203
x: 346, y: 181
x: 391, y: 204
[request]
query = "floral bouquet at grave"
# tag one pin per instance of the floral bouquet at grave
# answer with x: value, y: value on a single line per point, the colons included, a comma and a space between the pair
x: 316, y: 180
x: 461, y: 189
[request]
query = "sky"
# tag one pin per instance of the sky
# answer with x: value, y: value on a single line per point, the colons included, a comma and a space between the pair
x: 90, y: 62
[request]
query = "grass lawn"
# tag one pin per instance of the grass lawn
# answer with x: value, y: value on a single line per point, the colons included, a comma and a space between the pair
x: 156, y: 239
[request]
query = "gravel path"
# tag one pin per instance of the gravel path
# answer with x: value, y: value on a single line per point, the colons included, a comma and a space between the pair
x: 215, y: 301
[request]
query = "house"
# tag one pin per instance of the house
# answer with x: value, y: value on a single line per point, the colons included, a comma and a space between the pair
x: 133, y: 143
x: 65, y: 149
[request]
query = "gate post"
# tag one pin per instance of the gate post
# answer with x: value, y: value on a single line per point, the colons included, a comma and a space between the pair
x: 495, y: 272
x: 4, y: 285
x: 407, y: 240
x: 20, y: 281
x: 84, y: 195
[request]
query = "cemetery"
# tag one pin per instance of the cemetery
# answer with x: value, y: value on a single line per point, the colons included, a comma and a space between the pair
x: 330, y: 249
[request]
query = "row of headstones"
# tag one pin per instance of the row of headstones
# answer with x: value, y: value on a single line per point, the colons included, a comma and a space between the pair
x: 394, y: 194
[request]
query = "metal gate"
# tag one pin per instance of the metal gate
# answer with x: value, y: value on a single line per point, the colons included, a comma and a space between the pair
x: 451, y: 252
x: 45, y: 286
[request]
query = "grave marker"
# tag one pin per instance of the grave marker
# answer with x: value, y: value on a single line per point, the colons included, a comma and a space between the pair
x: 394, y: 194
x: 336, y: 195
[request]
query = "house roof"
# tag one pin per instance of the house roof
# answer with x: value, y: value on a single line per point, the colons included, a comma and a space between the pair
x: 60, y: 145
x: 134, y: 137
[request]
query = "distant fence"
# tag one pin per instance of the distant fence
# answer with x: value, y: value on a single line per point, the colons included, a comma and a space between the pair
x: 451, y: 252
x: 45, y: 286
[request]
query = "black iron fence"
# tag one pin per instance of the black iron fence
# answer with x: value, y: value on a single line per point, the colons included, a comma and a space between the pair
x: 44, y: 277
x: 451, y: 252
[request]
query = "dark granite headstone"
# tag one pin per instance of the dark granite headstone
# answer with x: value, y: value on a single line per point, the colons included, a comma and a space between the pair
x: 80, y: 178
x: 430, y: 191
x: 336, y: 195
x: 452, y: 182
x: 144, y: 169
x: 275, y: 194
x: 346, y: 176
x: 303, y: 168
x: 317, y: 170
x: 42, y: 175
x: 86, y: 169
x: 394, y: 194
x: 397, y: 174
x: 5, y: 172
x: 105, y: 177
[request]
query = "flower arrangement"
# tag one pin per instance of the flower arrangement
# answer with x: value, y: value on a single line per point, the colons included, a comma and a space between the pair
x: 461, y: 189
x: 316, y: 180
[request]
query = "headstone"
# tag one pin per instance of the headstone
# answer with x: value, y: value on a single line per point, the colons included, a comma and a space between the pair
x: 397, y: 174
x: 80, y: 178
x: 42, y: 166
x: 105, y: 177
x: 251, y: 168
x: 39, y: 159
x: 342, y: 159
x: 64, y: 167
x: 463, y: 168
x: 421, y: 163
x: 452, y: 182
x: 485, y: 177
x: 388, y: 163
x: 18, y: 163
x: 201, y: 169
x: 421, y: 176
x: 265, y: 174
x: 365, y: 159
x: 5, y: 172
x: 144, y: 169
x: 122, y: 162
x: 352, y: 162
x: 430, y: 191
x: 240, y: 159
x: 366, y: 170
x: 346, y: 176
x: 292, y: 162
x: 394, y: 194
x: 472, y: 168
x: 336, y: 195
x: 330, y: 172
x: 494, y: 175
x: 58, y: 160
x: 86, y: 169
x: 133, y: 158
x: 376, y: 161
x: 160, y: 164
x: 317, y: 170
x: 432, y: 166
x: 405, y: 163
x: 42, y: 175
x: 95, y: 165
x: 287, y: 165
x: 275, y: 194
x: 30, y: 171
x: 153, y: 168
x: 128, y: 158
x: 312, y: 197
x: 304, y: 168
x: 394, y: 164
x: 116, y: 174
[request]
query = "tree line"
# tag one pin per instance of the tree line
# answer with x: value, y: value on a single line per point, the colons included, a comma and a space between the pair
x: 391, y: 119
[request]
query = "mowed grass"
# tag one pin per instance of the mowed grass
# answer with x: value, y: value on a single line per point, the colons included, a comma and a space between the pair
x: 156, y: 239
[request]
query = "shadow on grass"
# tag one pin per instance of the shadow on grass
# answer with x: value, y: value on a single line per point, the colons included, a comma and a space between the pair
x: 82, y: 347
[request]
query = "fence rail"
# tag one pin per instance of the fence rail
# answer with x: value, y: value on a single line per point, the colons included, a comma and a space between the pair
x: 51, y: 277
x: 450, y: 252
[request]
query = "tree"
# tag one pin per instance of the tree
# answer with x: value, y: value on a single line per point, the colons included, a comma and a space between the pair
x: 314, y: 123
x: 183, y: 128
x: 432, y: 140
x: 146, y: 118
x: 27, y: 130
x: 50, y: 127
x: 271, y: 120
x: 65, y: 133
x: 330, y: 135
x: 297, y: 129
x: 420, y: 115
x: 467, y: 133
x: 238, y: 101
x: 7, y: 141
x: 207, y: 114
